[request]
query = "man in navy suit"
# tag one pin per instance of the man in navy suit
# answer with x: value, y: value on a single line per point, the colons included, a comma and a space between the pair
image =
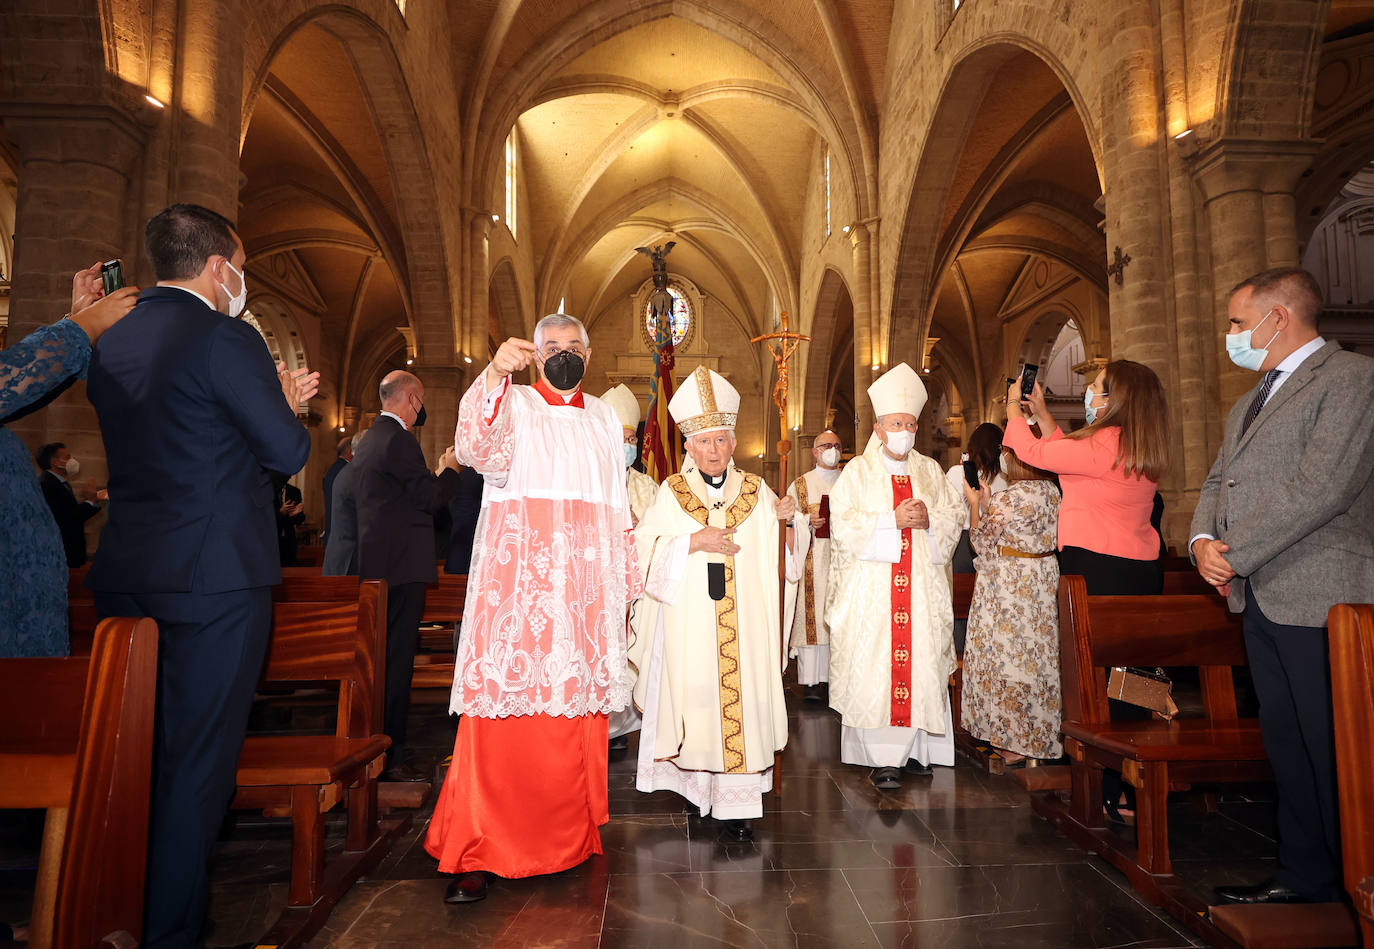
x: 194, y: 417
x: 396, y: 497
x: 71, y: 513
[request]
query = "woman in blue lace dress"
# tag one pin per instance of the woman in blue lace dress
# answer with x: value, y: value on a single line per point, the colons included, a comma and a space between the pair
x: 33, y: 567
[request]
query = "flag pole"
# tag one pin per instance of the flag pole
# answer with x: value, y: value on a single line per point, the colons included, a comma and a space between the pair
x: 787, y: 344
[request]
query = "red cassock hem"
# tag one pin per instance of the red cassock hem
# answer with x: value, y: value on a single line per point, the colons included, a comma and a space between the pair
x: 523, y: 797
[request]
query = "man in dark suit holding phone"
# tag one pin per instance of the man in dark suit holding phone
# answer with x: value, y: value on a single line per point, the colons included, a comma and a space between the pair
x: 194, y: 417
x: 396, y: 497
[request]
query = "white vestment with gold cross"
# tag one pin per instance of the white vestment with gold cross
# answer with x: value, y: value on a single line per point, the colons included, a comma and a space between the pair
x: 709, y: 680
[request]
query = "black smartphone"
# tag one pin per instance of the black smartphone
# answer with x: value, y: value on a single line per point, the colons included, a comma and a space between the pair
x: 112, y: 273
x: 1028, y: 374
x: 971, y: 474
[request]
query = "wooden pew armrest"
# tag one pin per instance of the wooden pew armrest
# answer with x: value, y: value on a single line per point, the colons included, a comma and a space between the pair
x: 305, y: 759
x: 1179, y: 740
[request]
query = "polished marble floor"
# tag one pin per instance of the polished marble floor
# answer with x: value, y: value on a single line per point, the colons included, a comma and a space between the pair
x: 953, y: 860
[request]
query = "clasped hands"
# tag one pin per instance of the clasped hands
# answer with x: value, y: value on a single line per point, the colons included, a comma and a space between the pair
x: 1212, y: 564
x: 911, y: 514
x: 720, y: 540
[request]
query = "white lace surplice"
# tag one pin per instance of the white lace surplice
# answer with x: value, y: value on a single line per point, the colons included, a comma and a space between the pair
x: 553, y: 564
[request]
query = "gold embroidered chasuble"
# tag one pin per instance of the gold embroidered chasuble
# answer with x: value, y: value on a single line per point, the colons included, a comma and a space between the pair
x: 720, y: 701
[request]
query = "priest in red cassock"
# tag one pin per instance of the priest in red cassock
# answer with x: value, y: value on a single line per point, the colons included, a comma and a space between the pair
x: 541, y: 661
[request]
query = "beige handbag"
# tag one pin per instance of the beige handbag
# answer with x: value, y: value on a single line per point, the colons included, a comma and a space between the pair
x: 1147, y: 688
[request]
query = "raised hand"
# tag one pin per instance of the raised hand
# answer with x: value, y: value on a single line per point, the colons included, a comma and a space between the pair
x: 87, y: 287
x: 297, y: 385
x: 513, y: 356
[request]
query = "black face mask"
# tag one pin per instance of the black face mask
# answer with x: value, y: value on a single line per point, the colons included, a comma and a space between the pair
x: 419, y: 417
x: 564, y: 369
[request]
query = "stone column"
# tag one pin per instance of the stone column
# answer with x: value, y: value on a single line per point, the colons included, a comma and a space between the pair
x: 73, y: 188
x: 1247, y: 189
x: 443, y: 388
x: 479, y: 289
x: 865, y: 352
x: 208, y: 106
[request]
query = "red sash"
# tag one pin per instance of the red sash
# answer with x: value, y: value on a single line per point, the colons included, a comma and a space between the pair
x: 901, y: 617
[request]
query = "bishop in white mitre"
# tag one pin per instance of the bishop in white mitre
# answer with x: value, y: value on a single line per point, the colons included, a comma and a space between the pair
x: 810, y: 632
x: 894, y: 523
x: 642, y: 489
x: 705, y: 636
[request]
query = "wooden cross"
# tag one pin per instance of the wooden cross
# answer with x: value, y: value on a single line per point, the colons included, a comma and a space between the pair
x: 782, y: 355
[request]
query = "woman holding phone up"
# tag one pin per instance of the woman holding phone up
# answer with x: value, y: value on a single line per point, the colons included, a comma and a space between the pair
x: 1109, y: 471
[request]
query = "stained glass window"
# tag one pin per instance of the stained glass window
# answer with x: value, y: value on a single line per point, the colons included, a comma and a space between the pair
x: 682, y: 317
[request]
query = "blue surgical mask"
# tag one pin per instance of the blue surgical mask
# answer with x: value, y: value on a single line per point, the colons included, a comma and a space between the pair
x: 631, y: 452
x: 1089, y: 410
x: 1242, y: 353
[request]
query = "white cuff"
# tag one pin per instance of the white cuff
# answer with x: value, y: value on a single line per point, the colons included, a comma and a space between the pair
x: 885, y: 545
x: 937, y: 556
x: 668, y: 569
x: 1193, y: 540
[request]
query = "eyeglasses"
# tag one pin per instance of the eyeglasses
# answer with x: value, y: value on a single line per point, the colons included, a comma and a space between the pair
x: 551, y: 349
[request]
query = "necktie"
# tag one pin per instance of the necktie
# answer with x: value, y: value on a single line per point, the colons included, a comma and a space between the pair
x: 1260, y: 397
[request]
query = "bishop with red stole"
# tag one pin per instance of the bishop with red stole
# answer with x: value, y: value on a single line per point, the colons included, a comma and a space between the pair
x: 541, y: 659
x: 894, y: 523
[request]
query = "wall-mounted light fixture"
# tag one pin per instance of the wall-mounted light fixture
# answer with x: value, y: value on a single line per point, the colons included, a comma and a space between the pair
x: 1187, y: 143
x: 154, y: 102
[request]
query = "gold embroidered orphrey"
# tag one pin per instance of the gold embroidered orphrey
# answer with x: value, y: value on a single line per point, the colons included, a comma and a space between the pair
x: 809, y: 592
x: 727, y: 619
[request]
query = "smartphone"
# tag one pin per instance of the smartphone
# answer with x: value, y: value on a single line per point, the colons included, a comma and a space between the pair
x: 1028, y: 374
x: 971, y: 474
x: 112, y: 273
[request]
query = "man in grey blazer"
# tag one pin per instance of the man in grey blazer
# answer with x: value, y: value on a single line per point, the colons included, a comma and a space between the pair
x: 1284, y: 528
x: 341, y: 541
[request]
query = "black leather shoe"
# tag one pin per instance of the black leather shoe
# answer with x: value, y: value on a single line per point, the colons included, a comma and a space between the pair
x: 913, y: 766
x: 467, y: 888
x: 404, y: 773
x: 620, y: 743
x: 1266, y: 892
x: 738, y: 830
x: 813, y: 693
x: 886, y: 779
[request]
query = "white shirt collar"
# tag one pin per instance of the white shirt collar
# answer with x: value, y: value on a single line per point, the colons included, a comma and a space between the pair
x: 1298, y: 356
x: 398, y: 420
x: 829, y: 474
x: 173, y: 286
x: 896, y: 466
x: 57, y: 476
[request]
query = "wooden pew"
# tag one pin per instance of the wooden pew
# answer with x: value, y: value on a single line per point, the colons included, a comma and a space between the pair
x: 78, y: 741
x: 1154, y: 756
x: 304, y: 776
x: 443, y: 604
x: 1311, y: 925
x: 1352, y: 691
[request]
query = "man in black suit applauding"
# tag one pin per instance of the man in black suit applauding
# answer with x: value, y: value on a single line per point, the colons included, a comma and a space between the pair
x: 59, y: 468
x: 193, y: 416
x: 396, y: 498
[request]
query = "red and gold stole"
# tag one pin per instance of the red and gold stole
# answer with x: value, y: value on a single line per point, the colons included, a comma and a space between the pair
x: 901, y: 616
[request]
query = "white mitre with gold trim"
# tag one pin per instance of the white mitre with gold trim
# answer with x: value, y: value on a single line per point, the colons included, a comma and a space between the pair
x: 704, y: 403
x: 625, y: 405
x: 899, y: 389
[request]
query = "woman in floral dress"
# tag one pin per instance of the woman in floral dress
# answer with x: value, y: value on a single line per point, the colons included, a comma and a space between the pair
x: 1011, y: 696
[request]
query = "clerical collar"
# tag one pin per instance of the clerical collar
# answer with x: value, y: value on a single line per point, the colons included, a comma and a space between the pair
x: 717, y: 482
x: 557, y: 398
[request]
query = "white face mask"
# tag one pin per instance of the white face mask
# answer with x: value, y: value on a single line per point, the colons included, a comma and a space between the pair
x: 830, y: 457
x: 899, y: 443
x: 631, y: 452
x: 73, y: 467
x: 1002, y: 462
x: 239, y: 301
